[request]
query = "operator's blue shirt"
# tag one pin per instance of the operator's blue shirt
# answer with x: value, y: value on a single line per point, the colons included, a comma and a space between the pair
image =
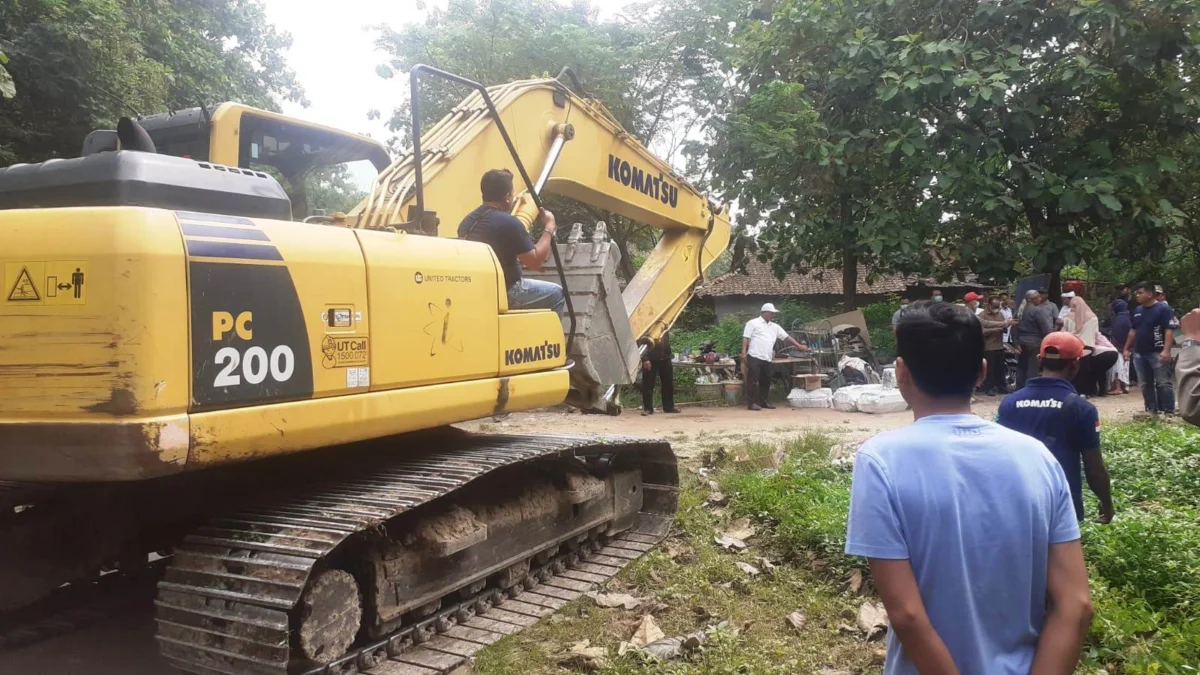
x: 974, y: 507
x: 1049, y: 409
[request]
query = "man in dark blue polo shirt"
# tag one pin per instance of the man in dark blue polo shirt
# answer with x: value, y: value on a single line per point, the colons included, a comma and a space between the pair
x: 1049, y: 409
x: 1150, y: 342
x: 492, y: 224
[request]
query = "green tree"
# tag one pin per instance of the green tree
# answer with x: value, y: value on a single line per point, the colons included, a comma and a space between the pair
x: 1044, y: 132
x: 81, y: 64
x: 330, y: 188
x: 656, y: 68
x: 808, y: 150
x: 1055, y: 125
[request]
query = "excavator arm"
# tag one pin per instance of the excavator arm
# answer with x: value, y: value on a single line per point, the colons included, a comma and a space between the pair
x: 600, y: 164
x: 577, y: 149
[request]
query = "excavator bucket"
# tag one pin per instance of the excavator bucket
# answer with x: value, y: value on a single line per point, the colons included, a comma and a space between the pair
x: 603, y: 349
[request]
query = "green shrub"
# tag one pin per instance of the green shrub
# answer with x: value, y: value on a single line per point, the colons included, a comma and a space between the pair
x: 1128, y: 634
x: 879, y: 314
x: 1150, y: 553
x: 1153, y: 462
x: 792, y: 311
x: 883, y: 342
x: 806, y: 502
x: 879, y: 326
x: 726, y: 337
x: 697, y: 316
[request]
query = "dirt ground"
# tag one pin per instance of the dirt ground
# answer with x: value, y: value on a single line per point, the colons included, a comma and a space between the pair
x: 703, y: 428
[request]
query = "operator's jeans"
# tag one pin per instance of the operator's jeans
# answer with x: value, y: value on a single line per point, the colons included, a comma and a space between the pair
x: 1155, y: 377
x: 534, y: 294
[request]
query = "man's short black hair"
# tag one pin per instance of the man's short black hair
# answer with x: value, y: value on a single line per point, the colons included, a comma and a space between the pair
x: 1141, y: 285
x: 1056, y: 365
x: 496, y: 185
x: 942, y: 346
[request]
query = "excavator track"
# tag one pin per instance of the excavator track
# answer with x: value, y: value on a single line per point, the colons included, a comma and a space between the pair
x: 250, y: 592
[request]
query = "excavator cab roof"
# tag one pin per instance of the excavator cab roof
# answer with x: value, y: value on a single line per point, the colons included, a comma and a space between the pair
x: 234, y: 134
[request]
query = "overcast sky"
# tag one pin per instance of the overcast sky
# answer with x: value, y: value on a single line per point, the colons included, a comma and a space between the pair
x: 334, y: 56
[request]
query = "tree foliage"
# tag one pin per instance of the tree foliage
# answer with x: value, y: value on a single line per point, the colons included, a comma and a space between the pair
x: 1045, y: 132
x: 807, y: 149
x: 331, y: 188
x: 80, y: 64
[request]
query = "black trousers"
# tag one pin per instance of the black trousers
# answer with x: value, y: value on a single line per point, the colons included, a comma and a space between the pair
x: 1092, y: 379
x: 661, y: 370
x: 758, y: 381
x: 1027, y: 364
x: 996, y: 372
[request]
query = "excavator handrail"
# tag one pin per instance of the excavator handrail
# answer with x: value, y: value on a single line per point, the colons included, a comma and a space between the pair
x: 414, y: 79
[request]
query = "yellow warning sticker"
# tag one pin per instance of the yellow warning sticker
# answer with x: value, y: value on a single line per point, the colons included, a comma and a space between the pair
x: 23, y: 289
x: 22, y: 282
x: 53, y: 282
x: 66, y: 282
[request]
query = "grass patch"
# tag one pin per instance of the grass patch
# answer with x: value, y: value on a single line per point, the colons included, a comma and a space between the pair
x: 804, y: 504
x: 1145, y: 566
x: 1144, y: 569
x: 698, y: 584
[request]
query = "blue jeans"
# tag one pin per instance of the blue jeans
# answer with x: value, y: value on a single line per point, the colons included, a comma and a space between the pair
x: 534, y: 294
x: 1155, y: 378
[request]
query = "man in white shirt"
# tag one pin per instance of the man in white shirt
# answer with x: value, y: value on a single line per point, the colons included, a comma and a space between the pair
x: 758, y: 348
x: 1006, y: 308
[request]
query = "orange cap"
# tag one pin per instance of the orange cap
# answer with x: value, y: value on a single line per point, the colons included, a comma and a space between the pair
x: 1062, y: 345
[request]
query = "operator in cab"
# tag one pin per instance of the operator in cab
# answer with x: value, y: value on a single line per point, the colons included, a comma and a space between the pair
x: 493, y: 224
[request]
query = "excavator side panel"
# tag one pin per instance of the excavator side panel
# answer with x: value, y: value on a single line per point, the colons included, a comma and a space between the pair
x: 93, y: 344
x: 434, y: 308
x: 137, y: 343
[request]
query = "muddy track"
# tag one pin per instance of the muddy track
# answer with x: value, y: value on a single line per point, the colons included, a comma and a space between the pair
x: 238, y: 589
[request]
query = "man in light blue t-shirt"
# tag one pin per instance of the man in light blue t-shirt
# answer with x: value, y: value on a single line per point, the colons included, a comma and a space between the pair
x: 968, y: 527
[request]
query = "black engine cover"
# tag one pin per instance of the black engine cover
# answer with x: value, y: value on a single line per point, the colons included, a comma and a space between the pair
x: 130, y: 178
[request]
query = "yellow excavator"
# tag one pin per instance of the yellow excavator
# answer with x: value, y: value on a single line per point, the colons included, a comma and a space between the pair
x: 185, y: 369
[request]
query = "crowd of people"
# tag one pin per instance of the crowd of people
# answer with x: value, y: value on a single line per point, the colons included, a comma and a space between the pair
x: 1134, y: 345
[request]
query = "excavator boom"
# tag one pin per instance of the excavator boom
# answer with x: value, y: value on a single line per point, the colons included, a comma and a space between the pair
x: 577, y: 149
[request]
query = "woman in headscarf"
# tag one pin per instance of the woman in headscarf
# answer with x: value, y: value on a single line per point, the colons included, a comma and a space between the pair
x: 1092, y: 379
x: 1121, y: 325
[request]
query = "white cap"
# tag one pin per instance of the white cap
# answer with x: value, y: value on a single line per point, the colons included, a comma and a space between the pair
x: 768, y: 308
x: 1069, y: 294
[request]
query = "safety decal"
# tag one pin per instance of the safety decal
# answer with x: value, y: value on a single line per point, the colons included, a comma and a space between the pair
x: 46, y: 282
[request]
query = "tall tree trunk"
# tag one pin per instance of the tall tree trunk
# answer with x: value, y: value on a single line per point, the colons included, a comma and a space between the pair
x: 849, y: 278
x: 619, y: 229
x: 849, y: 259
x: 1054, y: 286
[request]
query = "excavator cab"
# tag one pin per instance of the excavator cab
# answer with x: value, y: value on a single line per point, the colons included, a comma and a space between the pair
x: 237, y: 135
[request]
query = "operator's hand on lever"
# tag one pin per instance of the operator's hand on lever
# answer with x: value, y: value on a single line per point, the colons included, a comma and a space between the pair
x: 542, y: 250
x: 548, y: 223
